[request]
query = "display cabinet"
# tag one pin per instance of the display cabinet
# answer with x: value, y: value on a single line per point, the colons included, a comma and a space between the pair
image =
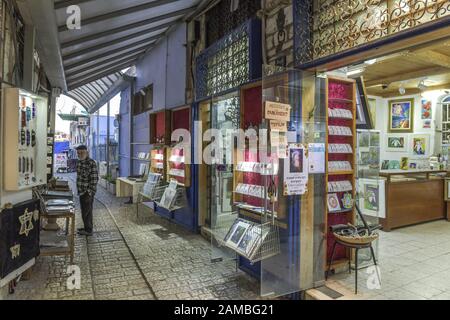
x: 341, y: 149
x: 160, y: 127
x: 176, y: 166
x: 157, y: 161
x: 25, y: 139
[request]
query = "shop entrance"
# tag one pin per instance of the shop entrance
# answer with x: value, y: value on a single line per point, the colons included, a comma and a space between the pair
x: 401, y: 164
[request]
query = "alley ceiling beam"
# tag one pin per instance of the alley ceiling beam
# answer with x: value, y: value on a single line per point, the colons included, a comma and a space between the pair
x: 82, y: 62
x: 78, y: 83
x: 106, y: 45
x: 66, y: 3
x: 119, y: 40
x: 101, y: 65
x: 120, y: 13
x: 102, y: 71
x: 134, y: 25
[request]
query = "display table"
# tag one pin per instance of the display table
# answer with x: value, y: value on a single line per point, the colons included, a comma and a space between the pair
x: 128, y: 188
x: 413, y: 196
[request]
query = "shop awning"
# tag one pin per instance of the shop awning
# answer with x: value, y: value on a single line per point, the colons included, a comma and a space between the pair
x: 112, y: 35
x: 72, y: 117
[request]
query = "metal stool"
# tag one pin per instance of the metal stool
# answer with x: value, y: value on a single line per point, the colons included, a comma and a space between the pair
x: 357, y: 248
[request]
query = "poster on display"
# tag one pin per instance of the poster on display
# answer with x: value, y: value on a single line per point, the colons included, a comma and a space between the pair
x: 278, y: 140
x: 372, y: 197
x: 316, y: 157
x: 19, y: 236
x: 277, y: 111
x: 296, y: 170
x: 426, y: 110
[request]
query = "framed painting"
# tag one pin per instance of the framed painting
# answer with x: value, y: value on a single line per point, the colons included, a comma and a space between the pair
x: 401, y: 115
x: 420, y: 145
x: 397, y: 143
x: 372, y: 197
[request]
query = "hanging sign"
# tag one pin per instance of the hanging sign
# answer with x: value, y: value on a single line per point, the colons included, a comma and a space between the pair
x: 280, y: 126
x: 316, y: 157
x: 277, y: 111
x: 296, y: 170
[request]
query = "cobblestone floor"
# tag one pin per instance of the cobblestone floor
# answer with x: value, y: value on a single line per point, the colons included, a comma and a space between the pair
x: 137, y: 258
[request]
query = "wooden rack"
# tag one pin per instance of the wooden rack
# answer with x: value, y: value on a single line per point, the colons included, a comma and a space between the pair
x: 340, y: 94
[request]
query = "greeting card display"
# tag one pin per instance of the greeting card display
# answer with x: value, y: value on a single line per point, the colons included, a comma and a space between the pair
x: 333, y: 202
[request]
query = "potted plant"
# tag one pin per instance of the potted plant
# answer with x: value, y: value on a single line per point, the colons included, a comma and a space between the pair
x: 112, y: 185
x: 103, y: 182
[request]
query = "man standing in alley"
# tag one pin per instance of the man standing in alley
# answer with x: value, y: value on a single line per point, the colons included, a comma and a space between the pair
x: 87, y: 179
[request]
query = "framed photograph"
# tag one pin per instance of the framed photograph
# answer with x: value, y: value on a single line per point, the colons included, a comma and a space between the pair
x: 385, y: 165
x: 238, y: 231
x: 401, y: 116
x: 363, y: 139
x: 333, y: 202
x: 420, y: 145
x: 397, y: 143
x: 372, y: 197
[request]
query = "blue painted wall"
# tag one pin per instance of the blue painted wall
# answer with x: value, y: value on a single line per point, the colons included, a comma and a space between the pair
x: 165, y: 68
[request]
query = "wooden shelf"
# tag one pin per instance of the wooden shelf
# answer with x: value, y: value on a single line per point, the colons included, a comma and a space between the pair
x: 348, y: 100
x: 339, y: 173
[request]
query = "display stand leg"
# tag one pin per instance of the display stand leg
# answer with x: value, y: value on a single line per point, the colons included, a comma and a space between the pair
x: 375, y: 263
x: 356, y: 270
x: 331, y: 261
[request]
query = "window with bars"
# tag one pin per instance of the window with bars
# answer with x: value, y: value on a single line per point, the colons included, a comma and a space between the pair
x: 230, y: 62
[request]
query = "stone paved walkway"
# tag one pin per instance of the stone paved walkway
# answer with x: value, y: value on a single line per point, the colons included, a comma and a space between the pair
x: 137, y: 258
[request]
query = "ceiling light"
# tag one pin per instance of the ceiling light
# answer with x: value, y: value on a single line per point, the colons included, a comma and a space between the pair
x: 402, y: 90
x: 370, y: 62
x: 422, y: 86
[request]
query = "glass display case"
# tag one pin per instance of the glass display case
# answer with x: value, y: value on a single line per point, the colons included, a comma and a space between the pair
x: 370, y: 187
x: 267, y: 206
x: 25, y: 138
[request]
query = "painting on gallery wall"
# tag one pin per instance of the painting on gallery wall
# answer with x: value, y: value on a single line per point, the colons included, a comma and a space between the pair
x: 426, y: 110
x: 401, y: 115
x: 397, y: 143
x: 420, y: 145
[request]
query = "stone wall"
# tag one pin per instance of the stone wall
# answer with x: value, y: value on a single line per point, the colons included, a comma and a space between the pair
x: 279, y: 33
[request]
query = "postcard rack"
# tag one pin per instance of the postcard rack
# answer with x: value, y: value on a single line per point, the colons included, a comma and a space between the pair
x: 180, y: 198
x: 258, y: 241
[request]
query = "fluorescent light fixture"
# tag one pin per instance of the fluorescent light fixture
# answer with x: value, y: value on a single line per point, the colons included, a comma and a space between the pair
x: 354, y: 72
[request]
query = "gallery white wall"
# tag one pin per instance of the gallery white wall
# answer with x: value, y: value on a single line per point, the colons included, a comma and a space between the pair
x: 382, y: 123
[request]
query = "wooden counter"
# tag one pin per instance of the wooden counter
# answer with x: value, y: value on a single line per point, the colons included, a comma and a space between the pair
x: 413, y: 196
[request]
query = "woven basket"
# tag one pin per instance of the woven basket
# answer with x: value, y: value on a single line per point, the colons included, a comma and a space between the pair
x: 358, y: 240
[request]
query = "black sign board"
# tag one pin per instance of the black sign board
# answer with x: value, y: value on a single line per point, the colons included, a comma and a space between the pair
x: 19, y: 236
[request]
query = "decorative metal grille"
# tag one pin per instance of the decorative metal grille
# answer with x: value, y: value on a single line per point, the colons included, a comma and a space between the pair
x: 221, y: 20
x: 338, y: 25
x: 226, y: 64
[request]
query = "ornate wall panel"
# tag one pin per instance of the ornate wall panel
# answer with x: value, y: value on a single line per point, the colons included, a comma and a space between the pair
x: 226, y: 16
x: 230, y: 62
x: 338, y: 25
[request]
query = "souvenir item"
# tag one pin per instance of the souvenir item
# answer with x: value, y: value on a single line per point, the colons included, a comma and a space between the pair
x: 333, y: 202
x: 347, y: 201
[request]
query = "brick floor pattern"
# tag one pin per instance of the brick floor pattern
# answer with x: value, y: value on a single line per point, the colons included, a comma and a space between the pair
x: 139, y: 258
